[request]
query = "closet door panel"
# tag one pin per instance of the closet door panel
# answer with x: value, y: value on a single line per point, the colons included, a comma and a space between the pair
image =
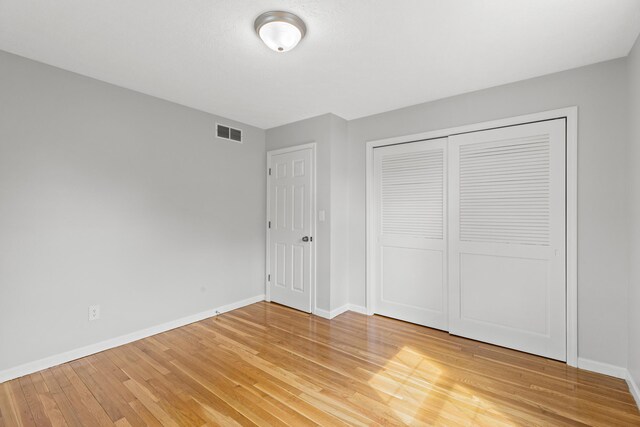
x: 410, y: 232
x: 507, y: 237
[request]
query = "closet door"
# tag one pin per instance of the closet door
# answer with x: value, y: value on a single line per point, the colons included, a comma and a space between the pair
x: 507, y: 237
x: 410, y: 232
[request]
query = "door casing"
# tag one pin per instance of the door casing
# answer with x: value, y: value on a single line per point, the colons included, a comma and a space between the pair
x: 312, y: 244
x: 570, y: 114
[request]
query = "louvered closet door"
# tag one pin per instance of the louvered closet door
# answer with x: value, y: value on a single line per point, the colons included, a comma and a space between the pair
x: 507, y: 237
x: 410, y: 227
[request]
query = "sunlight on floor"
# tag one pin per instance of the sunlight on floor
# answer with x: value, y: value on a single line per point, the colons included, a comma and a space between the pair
x: 411, y: 383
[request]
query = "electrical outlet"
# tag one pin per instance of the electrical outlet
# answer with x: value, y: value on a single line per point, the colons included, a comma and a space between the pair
x: 94, y: 312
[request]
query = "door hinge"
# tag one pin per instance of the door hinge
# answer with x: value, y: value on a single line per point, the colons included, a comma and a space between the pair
x: 269, y: 224
x: 269, y: 171
x: 311, y: 239
x: 268, y: 278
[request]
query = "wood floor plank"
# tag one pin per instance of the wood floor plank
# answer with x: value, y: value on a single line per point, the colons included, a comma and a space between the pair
x: 31, y: 396
x: 266, y: 364
x: 81, y: 397
x: 70, y: 415
x: 160, y: 391
x: 9, y: 413
x: 107, y: 393
x: 52, y: 411
x: 19, y: 402
x: 146, y: 415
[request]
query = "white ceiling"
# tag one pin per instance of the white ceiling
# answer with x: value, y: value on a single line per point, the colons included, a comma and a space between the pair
x: 360, y: 57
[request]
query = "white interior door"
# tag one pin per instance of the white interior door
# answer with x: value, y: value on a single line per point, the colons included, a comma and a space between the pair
x: 290, y: 227
x: 411, y: 232
x: 507, y: 237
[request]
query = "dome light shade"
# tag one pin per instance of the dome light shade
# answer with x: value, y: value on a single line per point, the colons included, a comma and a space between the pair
x: 280, y: 31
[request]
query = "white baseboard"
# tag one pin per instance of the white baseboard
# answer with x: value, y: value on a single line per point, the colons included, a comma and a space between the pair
x: 58, y: 359
x: 358, y: 309
x: 331, y: 314
x: 633, y: 388
x: 602, y: 368
x: 338, y: 311
x: 612, y: 371
x: 322, y: 313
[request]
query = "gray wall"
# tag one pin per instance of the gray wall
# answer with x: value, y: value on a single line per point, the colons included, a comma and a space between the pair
x: 634, y: 180
x: 115, y: 198
x: 329, y: 132
x: 600, y: 92
x: 339, y: 213
x: 318, y: 130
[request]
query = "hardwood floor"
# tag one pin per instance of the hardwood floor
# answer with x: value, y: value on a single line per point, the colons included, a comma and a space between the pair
x: 269, y: 365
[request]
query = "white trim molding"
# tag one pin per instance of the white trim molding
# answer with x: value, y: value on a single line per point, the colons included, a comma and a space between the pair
x: 612, y: 371
x: 633, y: 388
x: 325, y: 314
x: 338, y: 311
x: 331, y: 314
x: 602, y: 368
x: 570, y: 114
x: 68, y: 356
x: 358, y: 309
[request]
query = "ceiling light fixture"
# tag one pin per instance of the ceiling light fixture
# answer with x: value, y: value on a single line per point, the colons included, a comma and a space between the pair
x: 280, y: 31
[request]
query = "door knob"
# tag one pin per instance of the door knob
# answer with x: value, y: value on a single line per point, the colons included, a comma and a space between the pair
x: 305, y: 239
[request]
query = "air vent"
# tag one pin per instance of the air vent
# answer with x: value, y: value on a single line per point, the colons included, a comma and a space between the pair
x: 226, y: 132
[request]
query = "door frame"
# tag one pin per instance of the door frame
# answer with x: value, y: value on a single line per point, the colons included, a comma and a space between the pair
x: 312, y: 244
x: 570, y: 114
